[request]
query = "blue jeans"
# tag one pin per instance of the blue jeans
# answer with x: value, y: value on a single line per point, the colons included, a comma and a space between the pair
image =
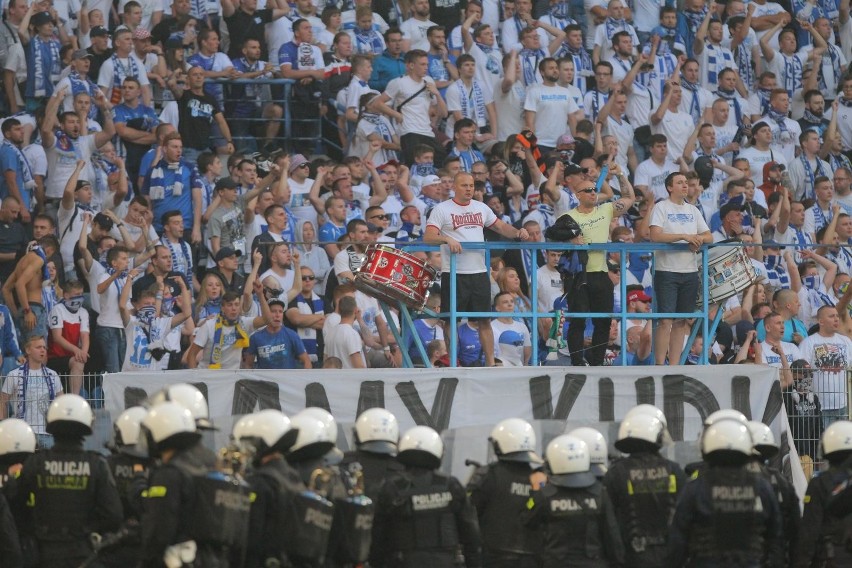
x: 112, y: 343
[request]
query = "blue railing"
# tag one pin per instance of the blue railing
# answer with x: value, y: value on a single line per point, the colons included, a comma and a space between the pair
x: 707, y: 327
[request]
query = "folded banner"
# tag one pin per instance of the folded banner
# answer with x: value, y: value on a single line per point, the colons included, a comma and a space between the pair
x: 462, y: 400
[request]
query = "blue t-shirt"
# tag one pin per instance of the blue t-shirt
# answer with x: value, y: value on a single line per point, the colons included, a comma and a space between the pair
x: 330, y: 233
x: 170, y: 187
x: 276, y: 350
x: 10, y: 160
x: 439, y: 72
x: 791, y: 326
x: 470, y: 348
x: 426, y: 335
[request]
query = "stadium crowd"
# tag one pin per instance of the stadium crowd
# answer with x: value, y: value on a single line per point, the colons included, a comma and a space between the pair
x: 153, y: 216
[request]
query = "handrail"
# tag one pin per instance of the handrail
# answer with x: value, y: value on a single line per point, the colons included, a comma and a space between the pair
x: 621, y: 315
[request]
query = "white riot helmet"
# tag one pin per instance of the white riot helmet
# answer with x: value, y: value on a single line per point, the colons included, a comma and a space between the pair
x: 514, y: 439
x: 190, y: 398
x: 168, y: 425
x: 569, y: 462
x: 764, y: 440
x: 422, y: 447
x: 837, y: 438
x: 126, y: 429
x: 334, y: 455
x: 597, y: 446
x: 17, y: 440
x: 268, y: 431
x: 377, y: 431
x: 726, y: 441
x: 649, y: 409
x: 640, y: 432
x: 70, y: 415
x: 726, y: 414
x: 312, y: 438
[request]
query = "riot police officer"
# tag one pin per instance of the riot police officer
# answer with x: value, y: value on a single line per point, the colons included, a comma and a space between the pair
x: 574, y: 511
x: 376, y: 435
x: 822, y: 535
x: 598, y: 450
x: 266, y: 436
x: 500, y: 492
x: 193, y: 400
x: 424, y: 516
x: 193, y: 514
x: 727, y: 515
x: 644, y: 487
x: 17, y: 443
x: 10, y: 545
x: 128, y: 465
x: 766, y: 448
x: 694, y: 469
x: 71, y: 491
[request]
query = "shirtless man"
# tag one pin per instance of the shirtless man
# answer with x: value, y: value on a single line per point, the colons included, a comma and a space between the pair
x: 25, y: 284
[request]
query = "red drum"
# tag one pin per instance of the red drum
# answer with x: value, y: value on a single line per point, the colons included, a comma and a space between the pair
x: 390, y: 274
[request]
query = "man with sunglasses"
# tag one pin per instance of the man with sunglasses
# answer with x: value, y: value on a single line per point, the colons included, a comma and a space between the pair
x: 595, y: 221
x: 280, y: 280
x: 306, y: 315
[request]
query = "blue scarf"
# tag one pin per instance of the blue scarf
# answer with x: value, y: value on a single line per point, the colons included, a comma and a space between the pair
x: 183, y: 265
x: 45, y: 273
x: 731, y: 97
x: 833, y: 53
x: 743, y: 58
x: 809, y: 171
x: 718, y: 58
x: 779, y: 117
x: 583, y: 66
x: 763, y: 96
x: 47, y: 375
x: 23, y: 167
x: 792, y: 72
x: 529, y: 64
x: 368, y: 42
x: 613, y: 26
x: 776, y: 270
x: 120, y: 73
x: 695, y: 107
x: 472, y: 102
x: 80, y: 85
x: 46, y: 66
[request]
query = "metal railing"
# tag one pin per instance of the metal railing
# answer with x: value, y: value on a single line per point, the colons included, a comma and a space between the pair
x: 706, y: 327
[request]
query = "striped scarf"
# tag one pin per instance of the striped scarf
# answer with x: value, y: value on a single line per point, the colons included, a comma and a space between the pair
x: 368, y: 42
x: 80, y: 85
x: 583, y: 66
x: 731, y: 97
x: 119, y: 74
x: 23, y: 166
x: 21, y: 404
x: 46, y: 66
x: 241, y: 340
x: 472, y: 102
x: 833, y: 53
x: 718, y: 58
x: 695, y: 107
x: 743, y: 58
x: 792, y: 72
x: 529, y: 64
x: 613, y: 26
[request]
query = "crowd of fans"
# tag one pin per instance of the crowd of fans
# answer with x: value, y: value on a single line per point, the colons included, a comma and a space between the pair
x: 175, y: 227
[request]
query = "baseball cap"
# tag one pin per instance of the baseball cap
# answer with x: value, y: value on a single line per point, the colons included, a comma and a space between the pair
x: 225, y: 183
x: 99, y: 31
x: 638, y: 296
x: 431, y: 179
x: 42, y: 18
x: 80, y: 54
x: 573, y: 169
x: 297, y: 161
x: 225, y: 252
x: 564, y: 140
x: 141, y: 33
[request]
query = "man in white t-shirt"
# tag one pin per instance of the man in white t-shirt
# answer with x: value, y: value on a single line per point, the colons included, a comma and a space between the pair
x: 778, y: 353
x: 457, y: 221
x: 221, y: 339
x: 511, y: 337
x: 343, y: 341
x: 123, y: 63
x: 668, y: 119
x: 652, y: 173
x: 30, y: 389
x: 676, y: 278
x: 413, y: 97
x: 761, y: 152
x: 549, y: 108
x: 831, y: 353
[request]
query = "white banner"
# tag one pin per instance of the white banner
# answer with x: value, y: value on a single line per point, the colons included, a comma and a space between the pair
x: 468, y: 402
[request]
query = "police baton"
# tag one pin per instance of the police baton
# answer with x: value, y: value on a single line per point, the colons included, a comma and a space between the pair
x: 99, y: 543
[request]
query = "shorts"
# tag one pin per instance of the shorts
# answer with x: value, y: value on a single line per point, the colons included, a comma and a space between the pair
x: 676, y: 292
x: 473, y: 293
x: 40, y: 329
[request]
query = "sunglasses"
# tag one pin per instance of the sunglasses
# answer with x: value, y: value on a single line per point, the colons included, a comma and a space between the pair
x: 305, y: 165
x: 382, y: 217
x: 308, y: 278
x: 588, y: 190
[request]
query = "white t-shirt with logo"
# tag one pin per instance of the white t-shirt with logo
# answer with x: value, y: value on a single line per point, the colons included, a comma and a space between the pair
x: 551, y: 105
x: 769, y: 357
x: 465, y: 224
x: 678, y: 219
x: 834, y: 355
